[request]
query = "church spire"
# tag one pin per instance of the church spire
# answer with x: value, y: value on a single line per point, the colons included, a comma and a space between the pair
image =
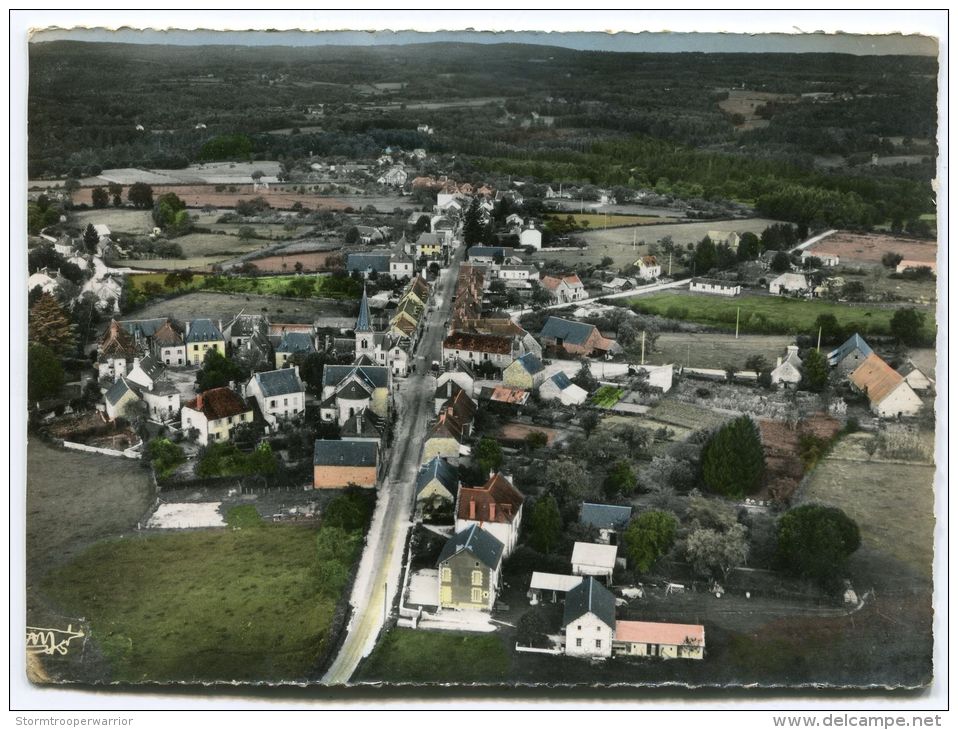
x: 362, y: 322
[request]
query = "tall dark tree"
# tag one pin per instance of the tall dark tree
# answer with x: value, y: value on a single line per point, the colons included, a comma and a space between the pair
x: 705, y: 257
x: 733, y: 460
x: 141, y: 195
x: 45, y: 375
x: 91, y: 239
x: 100, y: 197
x: 906, y: 326
x: 311, y: 367
x: 50, y: 326
x: 546, y: 524
x: 749, y: 247
x: 472, y: 229
x: 815, y: 371
x: 116, y: 192
x: 218, y: 371
x: 815, y: 541
x: 649, y: 537
x: 781, y: 263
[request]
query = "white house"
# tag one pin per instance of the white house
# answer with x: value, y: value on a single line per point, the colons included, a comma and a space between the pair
x: 789, y: 370
x: 145, y: 371
x: 592, y: 559
x: 496, y: 506
x: 531, y: 237
x: 214, y: 414
x: 565, y: 289
x: 559, y: 387
x: 588, y: 620
x: 915, y: 378
x: 648, y: 268
x: 715, y: 286
x: 279, y: 393
x: 666, y: 641
x: 789, y: 283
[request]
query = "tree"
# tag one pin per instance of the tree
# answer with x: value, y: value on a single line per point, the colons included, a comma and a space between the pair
x: 141, y: 195
x: 714, y: 553
x: 620, y: 481
x: 733, y: 460
x: 749, y: 247
x: 172, y: 280
x: 649, y: 537
x: 781, y: 263
x: 50, y: 326
x: 584, y: 378
x: 217, y: 371
x: 164, y: 456
x: 169, y: 211
x: 532, y: 629
x: 71, y: 185
x: 488, y: 454
x: 116, y: 191
x: 815, y: 371
x: 100, y: 197
x: 589, y: 421
x: 832, y: 331
x: 906, y: 326
x: 311, y: 366
x: 246, y: 233
x: 546, y: 524
x: 472, y: 228
x: 91, y: 238
x: 705, y: 257
x: 45, y: 375
x: 757, y: 363
x: 352, y: 235
x: 890, y: 259
x: 815, y: 541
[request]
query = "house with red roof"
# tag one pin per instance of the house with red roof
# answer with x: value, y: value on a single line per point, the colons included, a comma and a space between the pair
x: 214, y: 414
x: 890, y: 396
x: 666, y: 641
x: 565, y: 289
x: 496, y: 507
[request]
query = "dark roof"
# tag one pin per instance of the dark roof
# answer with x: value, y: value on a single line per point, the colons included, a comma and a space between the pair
x: 278, y: 382
x: 531, y: 363
x: 144, y: 327
x: 118, y: 390
x: 605, y: 516
x: 375, y: 375
x: 439, y: 469
x: 296, y: 342
x: 485, y: 547
x: 855, y: 342
x: 151, y: 366
x: 589, y: 596
x: 448, y: 390
x: 362, y: 321
x: 478, y: 343
x: 354, y: 391
x: 561, y: 380
x: 574, y: 333
x: 203, y: 330
x: 245, y: 325
x: 373, y: 261
x: 218, y: 403
x: 345, y: 452
x: 493, y: 251
x: 167, y: 336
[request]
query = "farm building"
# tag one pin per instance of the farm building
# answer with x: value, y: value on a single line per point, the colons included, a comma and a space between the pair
x: 544, y: 586
x: 575, y: 338
x: 341, y: 462
x: 715, y: 286
x: 593, y: 559
x: 850, y: 354
x: 789, y: 283
x: 918, y: 381
x: 890, y: 396
x: 667, y: 641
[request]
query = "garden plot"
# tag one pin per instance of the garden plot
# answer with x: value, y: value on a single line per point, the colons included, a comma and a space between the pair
x: 118, y: 220
x: 183, y: 515
x: 685, y: 415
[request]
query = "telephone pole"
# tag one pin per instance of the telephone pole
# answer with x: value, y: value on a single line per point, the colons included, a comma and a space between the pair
x: 738, y: 311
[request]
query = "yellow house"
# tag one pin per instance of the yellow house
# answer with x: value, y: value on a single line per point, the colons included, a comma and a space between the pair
x: 444, y: 441
x: 524, y: 372
x: 214, y: 414
x: 201, y: 337
x: 119, y: 398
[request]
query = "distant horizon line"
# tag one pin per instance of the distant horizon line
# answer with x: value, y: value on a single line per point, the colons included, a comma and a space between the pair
x: 857, y: 44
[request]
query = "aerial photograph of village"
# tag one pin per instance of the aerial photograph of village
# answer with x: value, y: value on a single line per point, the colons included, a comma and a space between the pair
x: 442, y: 362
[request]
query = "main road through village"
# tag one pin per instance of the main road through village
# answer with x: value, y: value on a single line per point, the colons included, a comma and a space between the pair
x: 380, y: 567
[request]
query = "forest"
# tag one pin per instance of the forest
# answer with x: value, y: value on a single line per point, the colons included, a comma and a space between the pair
x: 545, y: 112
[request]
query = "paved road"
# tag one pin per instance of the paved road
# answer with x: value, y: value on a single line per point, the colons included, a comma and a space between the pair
x: 379, y: 575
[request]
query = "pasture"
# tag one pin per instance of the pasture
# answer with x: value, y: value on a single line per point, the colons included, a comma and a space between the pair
x: 768, y: 314
x: 218, y: 305
x: 407, y: 655
x: 710, y: 349
x: 119, y: 220
x: 595, y: 221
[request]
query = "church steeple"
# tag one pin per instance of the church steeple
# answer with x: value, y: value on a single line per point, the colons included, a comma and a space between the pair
x: 363, y: 323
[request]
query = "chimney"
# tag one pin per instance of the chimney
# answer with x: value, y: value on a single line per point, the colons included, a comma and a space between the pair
x: 472, y: 509
x: 199, y: 402
x: 296, y: 370
x: 448, y: 388
x: 221, y: 325
x: 778, y: 361
x: 232, y: 385
x: 492, y: 511
x: 359, y: 423
x: 792, y: 349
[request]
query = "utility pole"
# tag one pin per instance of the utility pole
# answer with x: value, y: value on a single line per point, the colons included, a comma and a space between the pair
x: 643, y: 348
x: 819, y: 345
x: 688, y: 355
x: 738, y: 311
x: 385, y: 599
x: 670, y: 263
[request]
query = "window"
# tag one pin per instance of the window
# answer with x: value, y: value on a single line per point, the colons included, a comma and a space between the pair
x: 285, y: 402
x: 196, y: 348
x: 578, y: 627
x: 598, y: 643
x: 446, y: 575
x: 477, y: 577
x: 272, y: 403
x: 578, y: 642
x: 476, y: 595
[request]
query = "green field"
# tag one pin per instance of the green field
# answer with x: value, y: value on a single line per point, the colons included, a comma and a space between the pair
x: 768, y: 315
x: 407, y: 655
x: 303, y: 287
x: 594, y: 221
x: 208, y: 605
x: 607, y: 396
